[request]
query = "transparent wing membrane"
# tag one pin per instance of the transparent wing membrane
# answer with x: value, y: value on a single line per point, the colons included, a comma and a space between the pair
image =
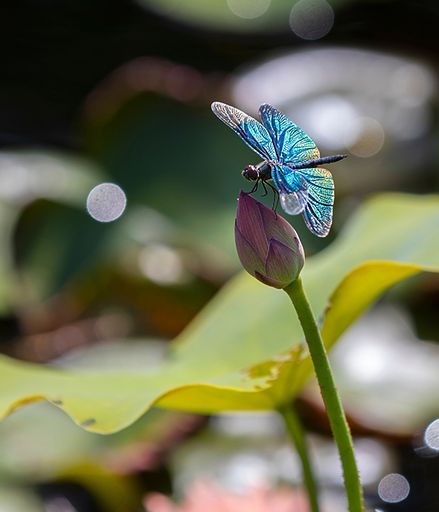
x: 294, y: 203
x: 252, y: 132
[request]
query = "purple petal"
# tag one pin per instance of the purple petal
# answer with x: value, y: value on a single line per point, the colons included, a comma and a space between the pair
x: 250, y: 224
x: 268, y: 281
x: 250, y: 260
x: 283, y: 263
x: 278, y: 228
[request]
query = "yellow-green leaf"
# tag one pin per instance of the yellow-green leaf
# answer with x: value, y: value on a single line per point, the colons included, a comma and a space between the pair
x: 243, y: 352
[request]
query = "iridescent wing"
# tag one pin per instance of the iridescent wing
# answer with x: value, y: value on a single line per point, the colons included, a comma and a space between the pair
x: 293, y: 192
x: 251, y: 131
x: 318, y: 210
x: 307, y: 191
x: 292, y: 145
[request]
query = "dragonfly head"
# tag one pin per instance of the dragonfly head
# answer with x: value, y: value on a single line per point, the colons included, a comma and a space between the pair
x: 251, y: 173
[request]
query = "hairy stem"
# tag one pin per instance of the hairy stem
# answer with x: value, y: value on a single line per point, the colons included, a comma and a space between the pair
x: 331, y: 399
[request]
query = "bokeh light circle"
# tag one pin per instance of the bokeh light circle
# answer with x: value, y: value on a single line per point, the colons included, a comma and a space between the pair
x: 162, y: 264
x: 106, y: 202
x: 393, y: 488
x: 311, y: 19
x: 431, y: 435
x: 368, y: 137
x: 249, y: 9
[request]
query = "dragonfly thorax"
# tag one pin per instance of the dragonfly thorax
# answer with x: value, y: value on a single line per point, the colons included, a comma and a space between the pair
x: 261, y: 171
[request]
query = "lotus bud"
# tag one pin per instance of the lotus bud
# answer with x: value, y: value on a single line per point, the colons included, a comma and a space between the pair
x: 268, y: 246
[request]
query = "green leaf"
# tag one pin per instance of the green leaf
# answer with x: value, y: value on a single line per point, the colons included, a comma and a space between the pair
x: 42, y: 180
x: 244, y: 351
x: 244, y: 16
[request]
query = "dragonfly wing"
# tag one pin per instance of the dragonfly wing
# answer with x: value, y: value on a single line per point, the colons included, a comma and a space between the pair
x: 293, y: 191
x: 251, y: 131
x: 307, y: 191
x: 292, y: 145
x: 318, y: 210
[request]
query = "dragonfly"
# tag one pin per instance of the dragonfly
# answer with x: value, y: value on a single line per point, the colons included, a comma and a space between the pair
x: 291, y: 161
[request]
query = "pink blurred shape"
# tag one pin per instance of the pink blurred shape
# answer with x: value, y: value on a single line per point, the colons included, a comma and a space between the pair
x: 205, y: 496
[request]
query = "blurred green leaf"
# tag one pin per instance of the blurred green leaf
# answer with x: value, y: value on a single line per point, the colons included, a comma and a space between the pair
x: 249, y: 326
x: 28, y: 179
x: 232, y: 15
x: 50, y: 239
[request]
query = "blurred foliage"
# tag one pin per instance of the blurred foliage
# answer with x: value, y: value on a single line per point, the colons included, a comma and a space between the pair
x: 39, y: 444
x: 379, y: 388
x: 235, y: 15
x: 48, y: 240
x: 60, y: 266
x: 372, y: 255
x: 45, y: 177
x: 41, y: 447
x: 191, y: 166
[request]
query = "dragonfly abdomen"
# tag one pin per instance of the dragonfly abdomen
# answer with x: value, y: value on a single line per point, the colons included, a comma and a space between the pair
x: 318, y: 161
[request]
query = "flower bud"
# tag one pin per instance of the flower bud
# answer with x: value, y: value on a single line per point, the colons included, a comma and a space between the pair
x: 268, y: 246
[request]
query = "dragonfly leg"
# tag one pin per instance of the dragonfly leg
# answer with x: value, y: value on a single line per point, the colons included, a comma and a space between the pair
x: 265, y: 189
x: 275, y: 197
x: 276, y: 201
x: 255, y: 186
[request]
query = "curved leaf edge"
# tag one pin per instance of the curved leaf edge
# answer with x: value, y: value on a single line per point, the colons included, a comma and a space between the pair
x: 204, y: 398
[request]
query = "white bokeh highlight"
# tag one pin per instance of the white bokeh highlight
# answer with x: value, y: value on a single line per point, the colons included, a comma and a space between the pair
x: 393, y: 488
x: 248, y: 9
x: 162, y: 265
x: 369, y: 137
x: 431, y: 435
x: 106, y: 202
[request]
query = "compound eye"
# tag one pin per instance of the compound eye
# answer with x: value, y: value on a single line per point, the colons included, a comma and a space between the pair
x: 251, y: 173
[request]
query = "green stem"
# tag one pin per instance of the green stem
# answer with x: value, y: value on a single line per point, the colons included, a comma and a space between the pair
x: 334, y: 409
x: 296, y: 434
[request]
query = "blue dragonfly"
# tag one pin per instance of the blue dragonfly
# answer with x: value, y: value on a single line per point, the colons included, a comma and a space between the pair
x: 291, y: 161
